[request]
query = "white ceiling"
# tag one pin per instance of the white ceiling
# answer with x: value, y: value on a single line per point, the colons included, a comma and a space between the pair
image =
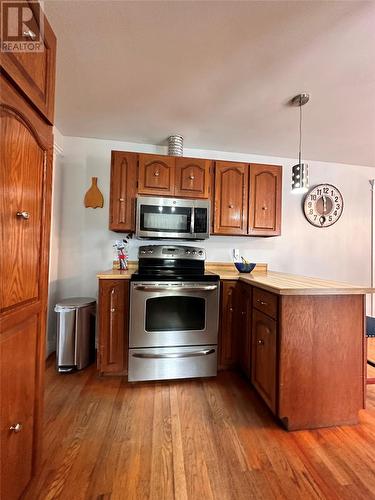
x: 220, y: 74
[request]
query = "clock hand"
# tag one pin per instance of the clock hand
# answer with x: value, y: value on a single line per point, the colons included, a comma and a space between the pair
x: 324, y: 204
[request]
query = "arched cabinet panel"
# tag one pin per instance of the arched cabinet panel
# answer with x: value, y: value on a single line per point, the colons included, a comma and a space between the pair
x: 156, y: 175
x: 231, y: 195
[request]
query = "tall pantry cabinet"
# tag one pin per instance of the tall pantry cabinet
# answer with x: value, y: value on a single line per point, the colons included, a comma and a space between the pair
x: 26, y: 146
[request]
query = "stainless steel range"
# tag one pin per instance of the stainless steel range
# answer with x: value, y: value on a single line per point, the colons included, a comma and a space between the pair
x: 174, y: 309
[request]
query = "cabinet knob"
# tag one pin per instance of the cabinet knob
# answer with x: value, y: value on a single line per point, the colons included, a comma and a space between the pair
x: 23, y: 215
x: 262, y: 303
x: 191, y: 177
x: 156, y: 173
x: 230, y: 205
x: 231, y: 309
x: 29, y: 34
x: 261, y: 342
x: 16, y: 428
x: 122, y: 200
x: 264, y: 208
x: 113, y: 309
x: 243, y: 313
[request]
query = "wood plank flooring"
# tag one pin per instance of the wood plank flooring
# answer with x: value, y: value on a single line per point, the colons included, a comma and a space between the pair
x: 202, y: 439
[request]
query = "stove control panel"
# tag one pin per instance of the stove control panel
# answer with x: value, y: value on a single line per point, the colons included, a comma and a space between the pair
x: 171, y: 252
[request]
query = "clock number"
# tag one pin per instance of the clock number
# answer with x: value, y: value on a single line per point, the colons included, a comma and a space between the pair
x: 313, y: 197
x: 330, y: 218
x: 318, y: 192
x: 335, y: 213
x: 332, y: 192
x: 325, y: 190
x: 336, y: 199
x: 338, y: 206
x: 315, y: 217
x: 309, y: 204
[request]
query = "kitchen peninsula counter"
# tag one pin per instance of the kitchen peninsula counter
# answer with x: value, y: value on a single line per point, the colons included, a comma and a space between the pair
x: 272, y: 281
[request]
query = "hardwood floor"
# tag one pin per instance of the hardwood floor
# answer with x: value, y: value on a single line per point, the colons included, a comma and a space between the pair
x: 202, y: 439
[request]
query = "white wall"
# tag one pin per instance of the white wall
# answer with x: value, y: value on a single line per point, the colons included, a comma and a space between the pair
x: 341, y: 252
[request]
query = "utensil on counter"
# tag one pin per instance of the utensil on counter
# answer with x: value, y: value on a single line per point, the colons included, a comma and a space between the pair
x: 93, y: 197
x: 244, y: 267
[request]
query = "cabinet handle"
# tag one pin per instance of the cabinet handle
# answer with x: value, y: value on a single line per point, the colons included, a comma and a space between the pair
x: 262, y: 303
x: 191, y: 177
x: 156, y: 173
x: 29, y: 34
x: 243, y: 313
x: 261, y: 342
x: 16, y: 428
x: 23, y: 215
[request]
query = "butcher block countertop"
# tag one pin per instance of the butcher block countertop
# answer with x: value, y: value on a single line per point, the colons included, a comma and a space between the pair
x: 275, y: 282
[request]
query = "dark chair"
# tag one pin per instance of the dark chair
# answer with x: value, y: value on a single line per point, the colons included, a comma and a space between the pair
x: 370, y: 333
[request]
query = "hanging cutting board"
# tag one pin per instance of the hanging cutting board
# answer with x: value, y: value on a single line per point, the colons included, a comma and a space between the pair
x: 93, y: 197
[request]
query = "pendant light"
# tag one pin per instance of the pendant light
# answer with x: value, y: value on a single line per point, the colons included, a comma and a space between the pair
x: 300, y: 172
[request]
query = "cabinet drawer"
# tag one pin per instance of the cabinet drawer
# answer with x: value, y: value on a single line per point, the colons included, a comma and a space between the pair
x: 34, y: 72
x: 265, y: 302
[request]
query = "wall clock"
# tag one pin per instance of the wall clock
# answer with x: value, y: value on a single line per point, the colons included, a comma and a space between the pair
x: 323, y: 205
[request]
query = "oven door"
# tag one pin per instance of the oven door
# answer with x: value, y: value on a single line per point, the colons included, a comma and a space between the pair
x: 173, y: 314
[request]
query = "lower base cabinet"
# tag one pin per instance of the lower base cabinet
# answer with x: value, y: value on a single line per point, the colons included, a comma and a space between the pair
x: 113, y: 326
x: 263, y: 374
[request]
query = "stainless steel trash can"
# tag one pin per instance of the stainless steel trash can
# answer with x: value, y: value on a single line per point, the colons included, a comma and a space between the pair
x: 75, y: 333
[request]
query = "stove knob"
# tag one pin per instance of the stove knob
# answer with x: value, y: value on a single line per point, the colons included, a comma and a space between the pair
x: 200, y: 252
x: 150, y: 251
x: 194, y: 252
x: 143, y: 252
x: 188, y: 252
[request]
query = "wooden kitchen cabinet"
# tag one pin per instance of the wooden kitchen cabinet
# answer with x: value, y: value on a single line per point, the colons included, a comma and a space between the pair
x: 113, y: 326
x: 265, y: 200
x: 156, y: 175
x: 26, y: 148
x: 263, y: 375
x: 243, y: 310
x: 228, y: 348
x: 192, y: 177
x: 34, y: 72
x: 123, y: 191
x: 231, y: 197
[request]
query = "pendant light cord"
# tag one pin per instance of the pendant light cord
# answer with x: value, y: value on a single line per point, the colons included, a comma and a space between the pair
x: 300, y: 131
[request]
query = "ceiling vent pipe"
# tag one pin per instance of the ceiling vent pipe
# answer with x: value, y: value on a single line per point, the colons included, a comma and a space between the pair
x: 175, y: 145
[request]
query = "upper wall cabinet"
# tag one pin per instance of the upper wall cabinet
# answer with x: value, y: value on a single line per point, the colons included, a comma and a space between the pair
x: 231, y: 195
x: 192, y: 177
x: 265, y: 200
x: 247, y: 199
x: 156, y: 175
x: 123, y: 191
x: 34, y: 72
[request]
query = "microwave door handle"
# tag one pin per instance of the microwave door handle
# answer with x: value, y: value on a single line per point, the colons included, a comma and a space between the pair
x: 146, y: 288
x: 191, y: 354
x: 192, y: 220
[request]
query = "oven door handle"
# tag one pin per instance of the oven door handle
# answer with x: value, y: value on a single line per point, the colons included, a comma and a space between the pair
x: 191, y: 354
x: 178, y: 288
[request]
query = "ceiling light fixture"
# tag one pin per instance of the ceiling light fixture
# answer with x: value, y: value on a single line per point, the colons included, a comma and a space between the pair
x: 300, y: 172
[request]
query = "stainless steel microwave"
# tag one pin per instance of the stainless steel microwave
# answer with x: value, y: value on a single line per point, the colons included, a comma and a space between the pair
x: 175, y: 218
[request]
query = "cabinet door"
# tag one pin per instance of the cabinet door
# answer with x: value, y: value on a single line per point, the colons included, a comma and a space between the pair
x: 113, y: 326
x: 231, y: 195
x: 243, y: 313
x: 265, y: 200
x: 227, y: 338
x: 192, y: 177
x: 264, y: 343
x: 34, y: 72
x: 17, y: 392
x: 156, y: 175
x: 123, y: 191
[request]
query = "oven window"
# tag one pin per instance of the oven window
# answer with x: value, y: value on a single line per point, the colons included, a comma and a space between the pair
x: 175, y: 313
x: 166, y: 219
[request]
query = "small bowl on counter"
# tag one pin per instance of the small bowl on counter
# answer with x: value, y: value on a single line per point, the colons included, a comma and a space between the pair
x: 243, y: 267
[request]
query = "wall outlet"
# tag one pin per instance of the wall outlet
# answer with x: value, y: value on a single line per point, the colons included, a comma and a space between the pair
x: 236, y: 254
